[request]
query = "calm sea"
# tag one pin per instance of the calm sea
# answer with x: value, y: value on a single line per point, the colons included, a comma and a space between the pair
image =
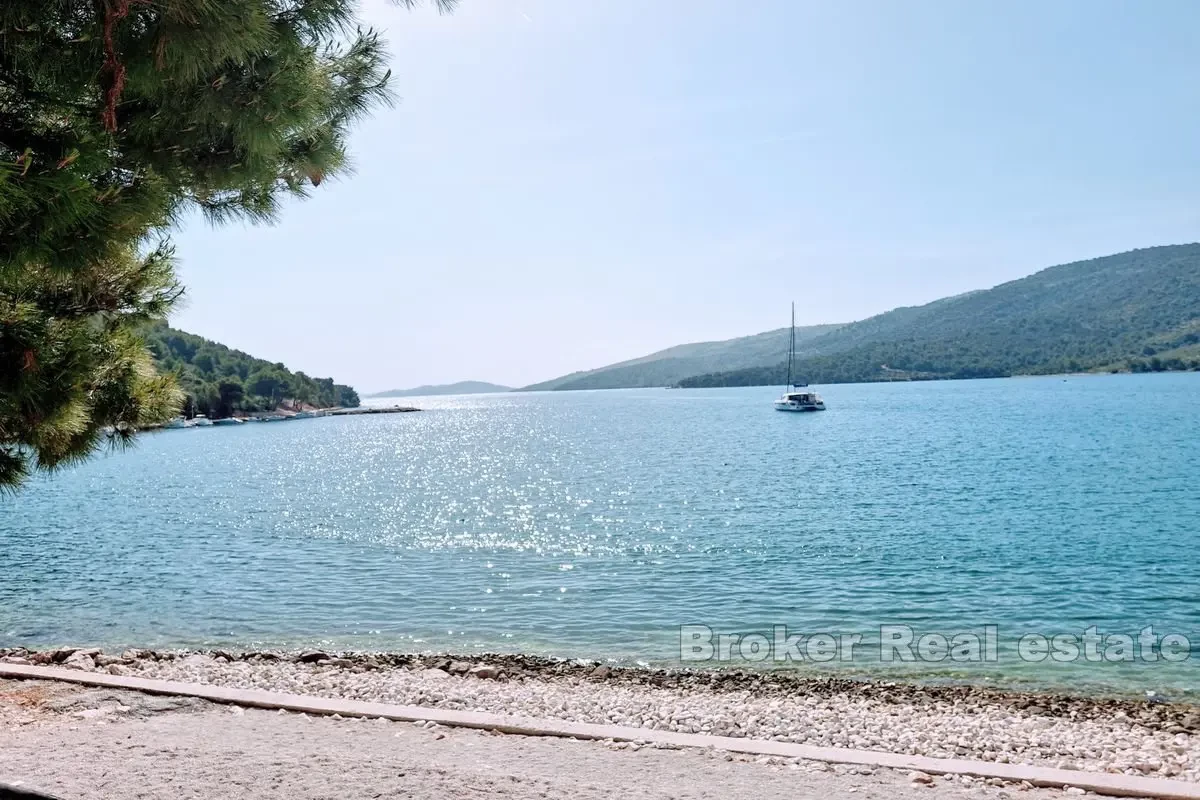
x: 595, y: 524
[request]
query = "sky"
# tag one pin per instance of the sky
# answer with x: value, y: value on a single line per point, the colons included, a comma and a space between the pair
x: 563, y: 184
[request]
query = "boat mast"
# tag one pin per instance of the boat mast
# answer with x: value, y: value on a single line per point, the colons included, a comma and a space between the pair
x: 792, y: 348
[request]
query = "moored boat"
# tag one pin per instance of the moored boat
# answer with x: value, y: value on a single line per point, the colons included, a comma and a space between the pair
x: 201, y: 421
x: 800, y: 401
x: 793, y: 400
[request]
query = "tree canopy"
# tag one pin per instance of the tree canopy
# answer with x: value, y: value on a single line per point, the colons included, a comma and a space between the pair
x: 117, y: 116
x: 218, y: 381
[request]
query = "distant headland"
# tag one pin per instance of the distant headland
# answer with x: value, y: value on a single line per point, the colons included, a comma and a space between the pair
x: 462, y: 387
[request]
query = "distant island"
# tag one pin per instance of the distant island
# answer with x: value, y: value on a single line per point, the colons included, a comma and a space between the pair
x: 1132, y: 312
x: 462, y: 387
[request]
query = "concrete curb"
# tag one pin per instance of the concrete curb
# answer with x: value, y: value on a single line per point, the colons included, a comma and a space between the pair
x: 1098, y: 782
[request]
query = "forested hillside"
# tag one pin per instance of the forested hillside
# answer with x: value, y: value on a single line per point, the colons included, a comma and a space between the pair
x: 676, y: 363
x: 1134, y: 311
x: 219, y: 381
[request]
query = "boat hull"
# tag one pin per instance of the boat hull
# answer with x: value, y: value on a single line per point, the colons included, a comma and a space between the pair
x: 798, y: 407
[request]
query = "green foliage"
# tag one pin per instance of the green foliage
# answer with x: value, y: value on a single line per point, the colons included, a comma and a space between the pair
x: 73, y: 375
x: 115, y: 118
x: 1090, y: 315
x: 219, y: 381
x: 346, y: 396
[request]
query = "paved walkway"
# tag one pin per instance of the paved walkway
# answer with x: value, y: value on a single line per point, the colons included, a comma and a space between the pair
x: 81, y: 743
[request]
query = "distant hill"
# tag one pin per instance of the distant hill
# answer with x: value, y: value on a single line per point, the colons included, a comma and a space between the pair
x: 674, y: 364
x: 1132, y: 311
x: 220, y: 381
x: 462, y: 387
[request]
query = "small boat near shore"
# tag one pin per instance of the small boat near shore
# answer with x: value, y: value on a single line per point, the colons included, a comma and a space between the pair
x: 201, y: 421
x: 228, y: 421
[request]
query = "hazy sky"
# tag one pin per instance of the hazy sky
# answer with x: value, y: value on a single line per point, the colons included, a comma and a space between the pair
x: 568, y: 183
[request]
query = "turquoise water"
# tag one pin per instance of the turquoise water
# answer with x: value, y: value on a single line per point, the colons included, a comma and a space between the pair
x: 597, y: 523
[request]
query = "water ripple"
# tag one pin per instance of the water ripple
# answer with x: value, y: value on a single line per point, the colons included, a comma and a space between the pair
x: 596, y: 523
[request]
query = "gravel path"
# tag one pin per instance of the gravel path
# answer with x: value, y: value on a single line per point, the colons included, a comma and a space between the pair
x: 81, y: 744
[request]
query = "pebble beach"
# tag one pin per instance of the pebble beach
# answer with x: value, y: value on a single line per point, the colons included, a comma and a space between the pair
x: 1153, y: 739
x: 121, y: 745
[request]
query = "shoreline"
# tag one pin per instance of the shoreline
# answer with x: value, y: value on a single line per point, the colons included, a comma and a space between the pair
x: 779, y: 680
x: 1154, y: 712
x: 286, y: 415
x: 921, y: 379
x: 1157, y: 739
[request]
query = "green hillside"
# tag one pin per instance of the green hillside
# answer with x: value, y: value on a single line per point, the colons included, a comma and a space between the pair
x: 1135, y: 311
x: 220, y: 381
x: 674, y: 364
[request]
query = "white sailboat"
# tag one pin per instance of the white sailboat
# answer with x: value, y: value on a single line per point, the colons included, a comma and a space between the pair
x: 793, y: 400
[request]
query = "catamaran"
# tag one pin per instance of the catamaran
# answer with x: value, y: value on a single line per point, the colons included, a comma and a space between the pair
x: 793, y: 400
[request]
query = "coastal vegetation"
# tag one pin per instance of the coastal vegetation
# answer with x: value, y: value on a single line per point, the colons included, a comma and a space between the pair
x: 219, y: 382
x: 117, y: 118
